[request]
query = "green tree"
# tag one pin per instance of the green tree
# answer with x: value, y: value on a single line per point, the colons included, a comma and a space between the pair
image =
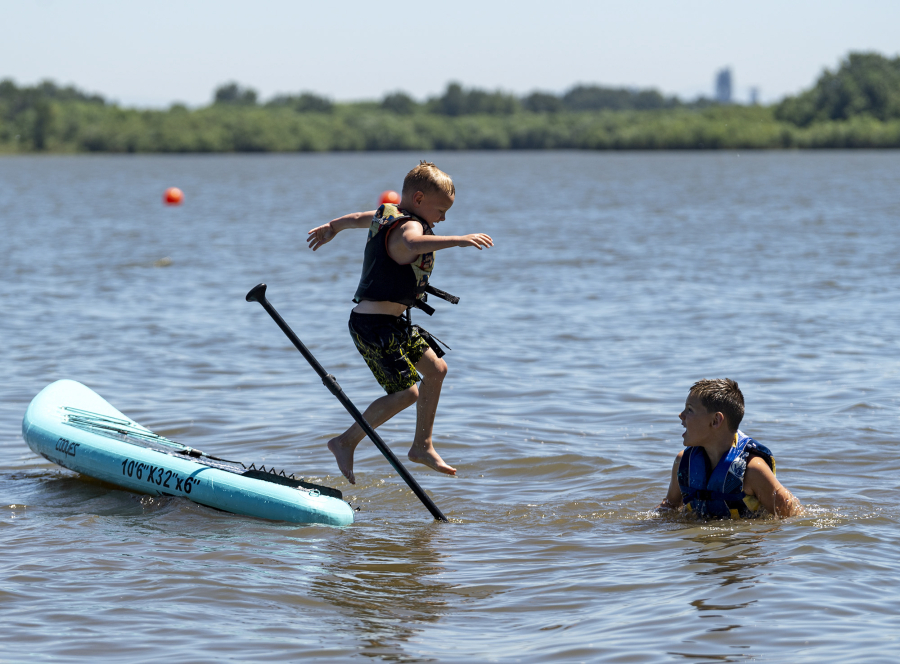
x: 232, y: 93
x: 399, y: 103
x: 597, y: 98
x: 452, y: 103
x: 542, y: 102
x: 43, y: 116
x: 866, y: 84
x: 457, y: 101
x: 305, y: 102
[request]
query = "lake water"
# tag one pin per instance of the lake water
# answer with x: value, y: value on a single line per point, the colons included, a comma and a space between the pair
x: 617, y: 280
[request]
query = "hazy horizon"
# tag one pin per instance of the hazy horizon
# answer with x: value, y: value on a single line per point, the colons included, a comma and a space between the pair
x: 152, y: 57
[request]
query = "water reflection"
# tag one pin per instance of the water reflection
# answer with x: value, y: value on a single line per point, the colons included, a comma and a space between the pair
x: 387, y: 583
x: 733, y: 558
x: 730, y: 558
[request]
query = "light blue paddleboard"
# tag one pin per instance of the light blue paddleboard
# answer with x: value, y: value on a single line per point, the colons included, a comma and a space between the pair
x: 73, y: 426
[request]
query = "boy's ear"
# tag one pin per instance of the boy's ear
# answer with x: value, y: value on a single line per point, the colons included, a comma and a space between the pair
x: 718, y: 420
x: 418, y: 196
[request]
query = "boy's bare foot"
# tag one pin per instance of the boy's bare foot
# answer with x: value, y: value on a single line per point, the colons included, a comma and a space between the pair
x: 431, y: 459
x: 344, y: 456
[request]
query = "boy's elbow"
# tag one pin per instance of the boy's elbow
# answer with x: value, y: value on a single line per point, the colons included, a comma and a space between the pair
x: 411, y: 243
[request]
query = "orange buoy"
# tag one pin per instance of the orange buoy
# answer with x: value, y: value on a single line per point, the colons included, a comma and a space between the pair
x: 389, y: 197
x: 173, y: 196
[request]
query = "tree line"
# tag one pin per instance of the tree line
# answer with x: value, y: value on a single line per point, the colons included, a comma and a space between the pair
x: 857, y: 105
x: 457, y: 100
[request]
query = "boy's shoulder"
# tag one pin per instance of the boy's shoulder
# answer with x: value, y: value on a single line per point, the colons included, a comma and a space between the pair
x: 388, y: 212
x: 385, y: 216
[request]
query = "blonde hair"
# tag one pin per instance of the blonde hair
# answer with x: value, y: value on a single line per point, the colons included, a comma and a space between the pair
x: 428, y: 178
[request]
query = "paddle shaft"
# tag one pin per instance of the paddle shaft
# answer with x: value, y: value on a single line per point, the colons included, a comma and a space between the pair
x: 258, y: 294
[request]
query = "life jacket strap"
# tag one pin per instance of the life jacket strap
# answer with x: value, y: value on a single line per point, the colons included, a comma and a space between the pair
x: 433, y: 342
x: 444, y: 295
x: 424, y: 306
x: 437, y: 292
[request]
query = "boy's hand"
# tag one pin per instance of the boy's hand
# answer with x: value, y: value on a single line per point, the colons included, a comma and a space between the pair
x: 665, y: 506
x: 320, y: 235
x: 476, y: 240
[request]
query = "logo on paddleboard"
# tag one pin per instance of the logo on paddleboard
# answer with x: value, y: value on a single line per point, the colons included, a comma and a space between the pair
x: 67, y: 447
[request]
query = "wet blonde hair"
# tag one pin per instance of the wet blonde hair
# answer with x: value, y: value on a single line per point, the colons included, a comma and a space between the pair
x: 428, y: 178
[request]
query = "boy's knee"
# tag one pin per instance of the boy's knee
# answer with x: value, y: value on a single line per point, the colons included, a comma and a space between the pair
x: 409, y: 396
x: 431, y: 367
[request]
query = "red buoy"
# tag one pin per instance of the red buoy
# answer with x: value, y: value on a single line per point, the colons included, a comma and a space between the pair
x: 173, y: 196
x: 391, y: 197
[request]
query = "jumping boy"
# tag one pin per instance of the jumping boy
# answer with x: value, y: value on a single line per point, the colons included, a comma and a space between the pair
x: 397, y: 263
x: 723, y: 472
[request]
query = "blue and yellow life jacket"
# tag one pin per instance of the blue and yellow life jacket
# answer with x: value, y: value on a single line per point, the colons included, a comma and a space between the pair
x: 719, y: 492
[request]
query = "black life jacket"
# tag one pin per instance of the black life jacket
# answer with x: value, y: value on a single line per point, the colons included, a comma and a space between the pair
x: 385, y: 280
x: 719, y: 491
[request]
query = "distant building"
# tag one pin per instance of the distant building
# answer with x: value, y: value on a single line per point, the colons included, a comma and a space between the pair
x: 754, y: 96
x: 723, y: 86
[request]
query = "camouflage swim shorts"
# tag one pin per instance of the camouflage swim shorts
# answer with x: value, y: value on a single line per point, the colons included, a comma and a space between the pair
x: 389, y: 347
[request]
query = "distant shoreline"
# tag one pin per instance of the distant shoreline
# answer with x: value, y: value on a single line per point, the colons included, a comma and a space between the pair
x: 856, y: 107
x: 221, y: 129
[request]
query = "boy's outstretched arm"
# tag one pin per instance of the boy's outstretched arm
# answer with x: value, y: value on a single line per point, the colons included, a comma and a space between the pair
x: 673, y: 501
x: 416, y: 242
x: 759, y: 481
x: 325, y: 233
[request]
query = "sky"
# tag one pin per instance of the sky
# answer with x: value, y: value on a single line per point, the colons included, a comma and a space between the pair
x: 153, y: 54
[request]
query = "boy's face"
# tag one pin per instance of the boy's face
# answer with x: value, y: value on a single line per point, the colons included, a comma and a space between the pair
x: 431, y: 207
x: 698, y: 422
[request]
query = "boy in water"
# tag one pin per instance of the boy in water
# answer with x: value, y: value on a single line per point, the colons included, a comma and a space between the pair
x: 723, y: 472
x: 398, y: 261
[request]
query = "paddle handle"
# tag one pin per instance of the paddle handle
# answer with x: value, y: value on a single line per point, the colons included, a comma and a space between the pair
x: 258, y: 294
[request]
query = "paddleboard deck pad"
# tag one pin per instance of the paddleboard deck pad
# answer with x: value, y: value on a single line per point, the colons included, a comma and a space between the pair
x: 70, y: 425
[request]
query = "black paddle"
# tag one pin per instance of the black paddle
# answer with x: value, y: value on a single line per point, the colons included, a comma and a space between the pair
x: 258, y: 294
